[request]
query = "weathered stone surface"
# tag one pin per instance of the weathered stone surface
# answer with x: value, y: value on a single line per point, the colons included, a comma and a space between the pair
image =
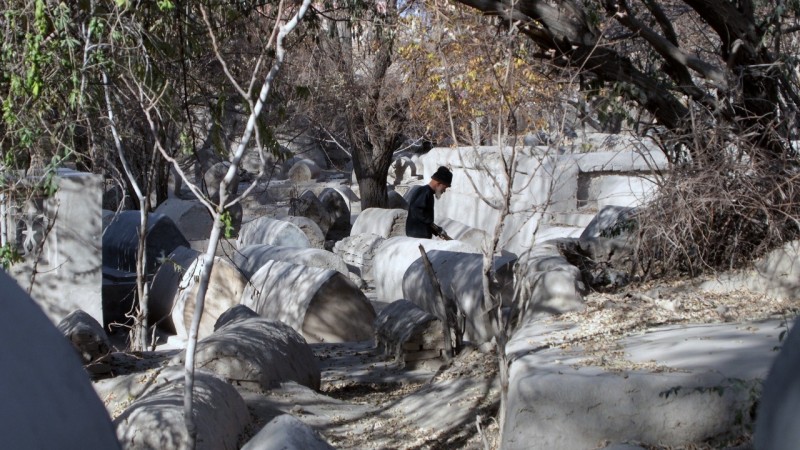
x: 257, y: 353
x: 120, y: 241
x: 190, y: 216
x: 322, y: 304
x: 383, y: 222
x: 299, y: 173
x: 156, y: 419
x: 357, y: 252
x: 611, y: 221
x: 301, y: 170
x: 251, y: 258
x: 287, y: 433
x: 351, y: 198
x: 175, y: 286
x: 406, y: 332
x: 549, y: 282
x: 464, y: 233
x: 265, y: 230
x: 67, y: 228
x: 213, y: 177
x: 776, y: 275
x: 598, y: 190
x: 705, y: 387
x: 544, y: 181
x: 308, y: 205
x: 316, y: 238
x: 86, y: 335
x: 235, y: 314
x: 339, y: 212
x: 164, y: 287
x: 395, y: 256
x: 402, y: 171
x: 396, y: 201
x: 37, y: 409
x: 777, y: 421
x: 460, y: 276
x: 225, y: 288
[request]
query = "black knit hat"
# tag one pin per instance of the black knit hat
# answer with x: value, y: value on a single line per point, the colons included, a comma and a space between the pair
x: 443, y: 175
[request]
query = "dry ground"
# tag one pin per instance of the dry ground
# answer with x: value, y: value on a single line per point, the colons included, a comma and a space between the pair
x: 367, y: 402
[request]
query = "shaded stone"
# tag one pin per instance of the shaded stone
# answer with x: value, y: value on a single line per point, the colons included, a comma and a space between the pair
x: 190, y: 216
x: 322, y: 304
x: 407, y: 333
x: 396, y: 201
x: 460, y: 276
x: 777, y: 422
x: 299, y: 173
x: 308, y: 205
x: 316, y: 238
x: 156, y: 418
x: 37, y: 410
x: 301, y: 170
x: 164, y: 287
x: 265, y: 230
x: 611, y: 221
x: 339, y: 212
x: 357, y: 252
x: 181, y: 278
x: 251, y: 258
x: 704, y: 388
x: 121, y: 241
x: 287, y: 433
x: 235, y: 314
x: 396, y: 255
x: 86, y: 335
x: 549, y: 283
x: 402, y: 171
x: 59, y: 237
x: 383, y: 222
x: 465, y: 233
x: 257, y: 353
x: 214, y: 176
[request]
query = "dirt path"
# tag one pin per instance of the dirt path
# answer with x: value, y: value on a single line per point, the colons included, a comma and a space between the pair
x: 368, y: 403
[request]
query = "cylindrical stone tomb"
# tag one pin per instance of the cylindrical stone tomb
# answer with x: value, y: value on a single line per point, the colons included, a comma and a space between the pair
x: 251, y: 258
x: 322, y: 304
x: 395, y: 256
x: 383, y: 222
x: 460, y: 277
x: 174, y: 292
x: 121, y: 240
x: 265, y: 230
x: 316, y: 238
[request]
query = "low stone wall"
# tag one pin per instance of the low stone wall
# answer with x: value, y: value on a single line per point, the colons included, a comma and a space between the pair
x: 546, y: 182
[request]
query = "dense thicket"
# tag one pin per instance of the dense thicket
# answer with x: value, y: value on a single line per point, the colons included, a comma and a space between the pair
x: 720, y: 80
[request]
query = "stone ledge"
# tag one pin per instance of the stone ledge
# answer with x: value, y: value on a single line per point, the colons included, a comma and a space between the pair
x: 675, y: 385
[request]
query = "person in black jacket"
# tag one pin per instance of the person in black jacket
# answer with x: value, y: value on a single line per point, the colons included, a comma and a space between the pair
x: 419, y: 223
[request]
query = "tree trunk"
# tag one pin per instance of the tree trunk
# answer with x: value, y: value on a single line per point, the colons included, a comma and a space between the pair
x: 372, y: 188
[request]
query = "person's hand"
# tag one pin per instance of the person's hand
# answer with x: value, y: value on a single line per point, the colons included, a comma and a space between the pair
x: 437, y: 230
